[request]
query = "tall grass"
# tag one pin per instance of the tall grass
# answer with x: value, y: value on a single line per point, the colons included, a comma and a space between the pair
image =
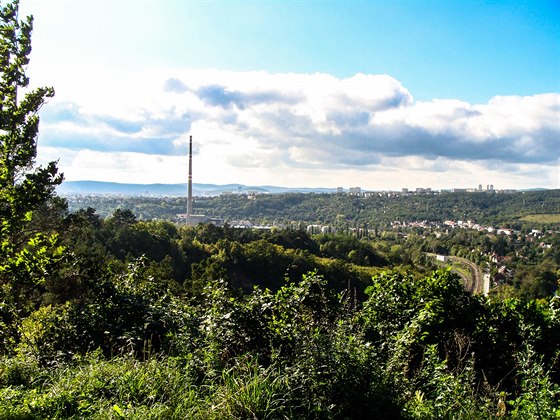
x: 152, y: 389
x: 98, y: 388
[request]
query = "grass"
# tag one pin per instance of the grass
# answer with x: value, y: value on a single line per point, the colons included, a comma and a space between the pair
x: 548, y: 218
x: 97, y: 388
x: 126, y: 388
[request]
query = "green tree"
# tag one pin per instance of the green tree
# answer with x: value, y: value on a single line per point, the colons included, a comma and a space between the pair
x: 26, y: 257
x: 23, y: 185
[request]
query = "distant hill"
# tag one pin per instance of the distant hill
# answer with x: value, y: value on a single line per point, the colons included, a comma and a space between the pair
x: 115, y: 188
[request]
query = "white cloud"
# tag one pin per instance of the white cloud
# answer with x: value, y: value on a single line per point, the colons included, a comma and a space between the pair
x: 295, y: 129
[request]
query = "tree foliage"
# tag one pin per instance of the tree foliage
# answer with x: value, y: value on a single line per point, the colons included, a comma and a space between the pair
x: 27, y: 257
x: 23, y: 186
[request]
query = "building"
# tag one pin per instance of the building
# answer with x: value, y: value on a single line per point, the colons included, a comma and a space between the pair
x: 313, y: 229
x: 328, y: 229
x: 423, y: 190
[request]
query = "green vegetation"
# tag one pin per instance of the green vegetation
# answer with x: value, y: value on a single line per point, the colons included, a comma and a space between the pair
x: 124, y: 318
x: 531, y: 209
x: 413, y: 349
x: 548, y: 219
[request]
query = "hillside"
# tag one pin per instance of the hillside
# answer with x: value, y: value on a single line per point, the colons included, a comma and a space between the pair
x: 531, y: 208
x: 116, y: 188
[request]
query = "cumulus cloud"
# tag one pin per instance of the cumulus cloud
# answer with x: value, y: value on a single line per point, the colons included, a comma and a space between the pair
x: 306, y: 121
x: 174, y: 85
x: 216, y: 95
x: 67, y: 125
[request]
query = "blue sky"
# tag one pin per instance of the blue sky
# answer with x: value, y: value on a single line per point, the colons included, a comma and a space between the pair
x: 377, y: 94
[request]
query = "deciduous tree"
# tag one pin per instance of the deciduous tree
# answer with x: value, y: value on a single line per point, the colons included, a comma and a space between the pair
x: 26, y: 256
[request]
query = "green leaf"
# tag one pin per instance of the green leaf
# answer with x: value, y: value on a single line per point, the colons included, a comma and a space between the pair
x: 118, y: 411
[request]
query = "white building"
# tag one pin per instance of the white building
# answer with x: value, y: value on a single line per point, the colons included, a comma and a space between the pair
x: 328, y: 229
x: 313, y: 229
x: 355, y: 190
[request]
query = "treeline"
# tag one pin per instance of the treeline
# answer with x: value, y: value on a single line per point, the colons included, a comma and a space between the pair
x: 517, y: 210
x: 266, y: 258
x: 533, y: 261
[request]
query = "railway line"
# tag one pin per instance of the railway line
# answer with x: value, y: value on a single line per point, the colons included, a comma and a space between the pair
x: 474, y: 281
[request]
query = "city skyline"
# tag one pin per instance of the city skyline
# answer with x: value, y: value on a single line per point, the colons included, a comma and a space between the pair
x: 378, y: 94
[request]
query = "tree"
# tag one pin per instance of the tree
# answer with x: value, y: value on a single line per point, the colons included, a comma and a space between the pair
x: 23, y: 186
x: 26, y: 255
x: 123, y: 217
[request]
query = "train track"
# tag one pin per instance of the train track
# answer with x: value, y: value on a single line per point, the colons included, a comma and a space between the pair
x: 474, y: 282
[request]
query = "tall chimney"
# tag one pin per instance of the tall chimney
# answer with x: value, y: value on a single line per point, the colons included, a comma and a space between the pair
x: 189, y: 199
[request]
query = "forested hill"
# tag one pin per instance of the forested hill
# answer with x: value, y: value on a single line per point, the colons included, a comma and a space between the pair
x: 532, y: 207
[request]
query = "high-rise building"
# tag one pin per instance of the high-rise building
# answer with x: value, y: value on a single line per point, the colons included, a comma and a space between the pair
x: 355, y: 190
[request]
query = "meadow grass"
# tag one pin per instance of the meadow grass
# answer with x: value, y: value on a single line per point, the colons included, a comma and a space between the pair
x: 549, y: 218
x: 127, y: 388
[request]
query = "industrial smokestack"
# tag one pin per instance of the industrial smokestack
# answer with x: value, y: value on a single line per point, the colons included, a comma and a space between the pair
x: 189, y: 199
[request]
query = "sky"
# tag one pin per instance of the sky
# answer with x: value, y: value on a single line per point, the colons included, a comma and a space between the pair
x: 377, y: 94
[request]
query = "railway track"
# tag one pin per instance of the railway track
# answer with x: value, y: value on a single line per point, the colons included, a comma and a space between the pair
x: 474, y: 282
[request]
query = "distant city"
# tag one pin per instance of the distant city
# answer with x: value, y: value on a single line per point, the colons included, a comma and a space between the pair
x: 358, y: 191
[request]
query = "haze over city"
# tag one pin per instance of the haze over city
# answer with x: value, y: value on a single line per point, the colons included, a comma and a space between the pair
x: 382, y: 94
